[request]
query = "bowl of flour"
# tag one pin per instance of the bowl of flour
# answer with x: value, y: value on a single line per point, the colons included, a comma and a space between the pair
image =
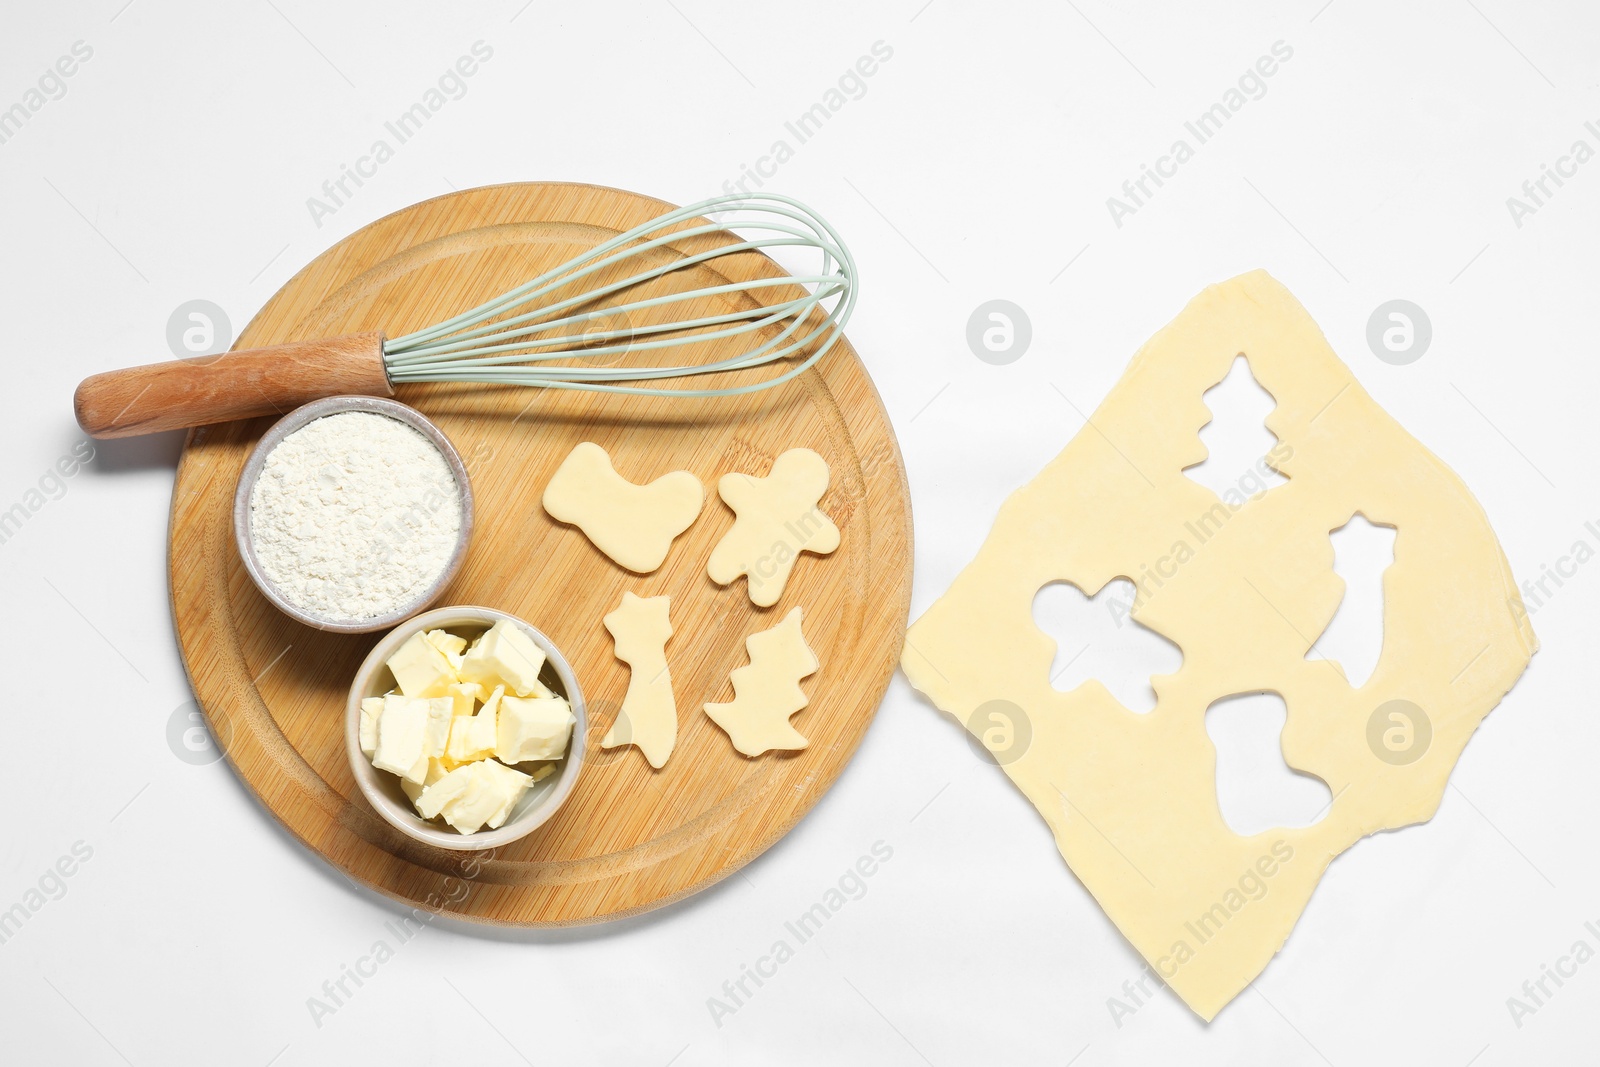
x: 353, y: 513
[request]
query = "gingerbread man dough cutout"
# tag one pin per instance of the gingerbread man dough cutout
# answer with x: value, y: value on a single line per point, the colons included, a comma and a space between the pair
x: 778, y: 518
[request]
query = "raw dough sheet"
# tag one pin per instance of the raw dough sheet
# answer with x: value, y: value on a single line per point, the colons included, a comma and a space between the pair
x: 1131, y: 798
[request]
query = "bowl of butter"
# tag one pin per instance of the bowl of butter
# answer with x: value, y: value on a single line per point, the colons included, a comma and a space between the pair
x: 465, y: 728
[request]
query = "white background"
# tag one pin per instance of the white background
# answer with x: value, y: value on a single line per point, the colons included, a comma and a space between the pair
x: 976, y: 166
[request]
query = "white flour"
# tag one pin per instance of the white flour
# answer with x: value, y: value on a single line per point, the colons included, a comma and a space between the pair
x: 354, y: 515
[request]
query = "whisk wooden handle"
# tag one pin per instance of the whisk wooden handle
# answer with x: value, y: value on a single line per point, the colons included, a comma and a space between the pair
x: 236, y: 385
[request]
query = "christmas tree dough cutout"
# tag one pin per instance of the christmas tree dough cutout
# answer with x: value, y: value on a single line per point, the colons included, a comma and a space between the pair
x: 778, y: 518
x: 1244, y: 591
x: 649, y: 715
x: 632, y: 524
x: 767, y: 690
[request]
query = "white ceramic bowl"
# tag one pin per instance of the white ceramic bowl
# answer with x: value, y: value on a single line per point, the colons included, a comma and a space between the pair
x: 293, y: 421
x: 382, y: 789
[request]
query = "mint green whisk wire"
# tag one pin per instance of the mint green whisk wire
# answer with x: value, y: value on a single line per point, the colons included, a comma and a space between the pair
x: 472, y: 348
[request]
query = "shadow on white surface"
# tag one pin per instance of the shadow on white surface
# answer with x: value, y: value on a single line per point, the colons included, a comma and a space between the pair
x: 151, y: 451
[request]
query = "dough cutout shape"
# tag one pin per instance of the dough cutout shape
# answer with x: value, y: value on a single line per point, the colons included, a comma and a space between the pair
x: 767, y: 690
x: 778, y: 518
x: 649, y: 716
x: 632, y: 524
x: 1244, y: 590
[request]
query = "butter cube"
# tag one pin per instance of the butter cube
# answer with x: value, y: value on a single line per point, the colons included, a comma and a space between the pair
x: 475, y: 804
x: 444, y: 790
x: 436, y: 771
x: 402, y: 737
x: 421, y: 669
x: 466, y: 696
x: 487, y: 798
x: 471, y: 796
x: 448, y: 643
x: 541, y: 772
x: 371, y: 708
x: 437, y: 733
x: 504, y: 655
x: 513, y: 783
x: 533, y: 729
x: 472, y: 737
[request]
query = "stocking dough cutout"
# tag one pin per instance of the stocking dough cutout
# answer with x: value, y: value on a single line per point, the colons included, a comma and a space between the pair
x: 767, y: 691
x: 633, y: 524
x: 1243, y: 592
x: 778, y: 518
x: 649, y: 715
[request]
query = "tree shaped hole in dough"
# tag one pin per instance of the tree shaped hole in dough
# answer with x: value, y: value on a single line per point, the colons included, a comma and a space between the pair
x: 649, y: 715
x: 767, y: 690
x: 632, y: 524
x: 778, y: 518
x: 1244, y: 592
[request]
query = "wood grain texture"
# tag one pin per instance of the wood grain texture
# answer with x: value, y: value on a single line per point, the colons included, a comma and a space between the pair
x: 241, y: 384
x: 630, y: 839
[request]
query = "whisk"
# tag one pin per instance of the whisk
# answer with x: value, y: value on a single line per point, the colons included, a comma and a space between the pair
x: 514, y: 338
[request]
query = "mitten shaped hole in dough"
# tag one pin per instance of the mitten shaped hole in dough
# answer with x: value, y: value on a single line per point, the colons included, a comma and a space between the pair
x: 1238, y: 443
x: 1256, y: 789
x: 1362, y: 551
x: 1097, y: 637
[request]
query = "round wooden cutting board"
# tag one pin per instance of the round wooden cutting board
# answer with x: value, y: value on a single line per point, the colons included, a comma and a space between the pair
x: 629, y: 839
